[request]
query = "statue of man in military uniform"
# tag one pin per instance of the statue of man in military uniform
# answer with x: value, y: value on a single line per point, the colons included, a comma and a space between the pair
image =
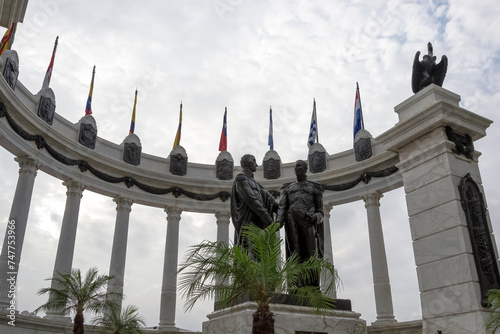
x: 250, y: 202
x: 301, y: 213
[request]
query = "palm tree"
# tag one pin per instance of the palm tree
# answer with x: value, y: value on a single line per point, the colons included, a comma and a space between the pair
x: 217, y: 270
x: 70, y: 293
x: 127, y: 321
x: 493, y: 323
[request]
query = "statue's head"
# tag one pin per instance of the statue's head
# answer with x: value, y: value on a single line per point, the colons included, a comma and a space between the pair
x: 248, y: 162
x: 300, y: 167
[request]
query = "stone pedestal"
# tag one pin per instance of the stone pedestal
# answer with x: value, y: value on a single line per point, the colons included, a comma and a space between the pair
x: 434, y: 140
x: 288, y: 319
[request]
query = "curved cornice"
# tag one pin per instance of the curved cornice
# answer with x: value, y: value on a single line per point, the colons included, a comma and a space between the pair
x: 103, y: 170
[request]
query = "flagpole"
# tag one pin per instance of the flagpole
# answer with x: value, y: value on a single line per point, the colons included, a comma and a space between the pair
x: 270, y: 140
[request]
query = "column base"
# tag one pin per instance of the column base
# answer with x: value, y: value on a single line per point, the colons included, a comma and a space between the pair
x: 287, y: 319
x: 167, y: 328
x: 384, y: 321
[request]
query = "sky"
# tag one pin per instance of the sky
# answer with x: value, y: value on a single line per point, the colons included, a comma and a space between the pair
x: 246, y: 56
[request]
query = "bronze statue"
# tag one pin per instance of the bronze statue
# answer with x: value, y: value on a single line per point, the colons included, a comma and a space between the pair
x: 250, y: 202
x: 301, y: 212
x: 426, y: 72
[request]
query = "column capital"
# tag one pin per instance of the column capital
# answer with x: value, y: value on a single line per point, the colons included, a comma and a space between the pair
x: 173, y: 213
x: 75, y: 188
x: 123, y: 203
x: 222, y: 217
x: 27, y: 165
x: 372, y: 199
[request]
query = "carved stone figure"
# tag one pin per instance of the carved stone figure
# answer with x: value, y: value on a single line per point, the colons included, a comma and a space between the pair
x: 11, y: 72
x: 317, y: 161
x: 178, y: 164
x: 362, y: 145
x: 132, y: 153
x: 178, y: 161
x: 272, y: 169
x: 87, y: 136
x: 480, y: 236
x: 463, y: 143
x: 301, y: 213
x: 272, y: 165
x: 46, y: 109
x: 251, y: 204
x: 224, y: 169
x: 426, y: 72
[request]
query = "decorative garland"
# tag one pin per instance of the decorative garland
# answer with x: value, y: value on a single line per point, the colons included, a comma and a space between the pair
x: 176, y: 191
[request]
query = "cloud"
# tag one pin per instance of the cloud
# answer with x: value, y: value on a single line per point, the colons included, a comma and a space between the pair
x: 246, y: 55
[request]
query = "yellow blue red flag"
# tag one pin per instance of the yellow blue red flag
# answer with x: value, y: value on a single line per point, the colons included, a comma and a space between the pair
x: 88, y: 108
x: 177, y: 140
x: 8, y: 38
x: 132, y: 123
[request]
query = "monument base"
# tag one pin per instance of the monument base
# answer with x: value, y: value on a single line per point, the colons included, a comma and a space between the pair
x: 288, y: 319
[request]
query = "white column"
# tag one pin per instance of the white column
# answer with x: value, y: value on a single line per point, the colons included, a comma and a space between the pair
x: 328, y: 248
x: 16, y: 227
x: 66, y: 246
x: 119, y: 250
x: 169, y: 283
x: 381, y: 283
x: 223, y: 219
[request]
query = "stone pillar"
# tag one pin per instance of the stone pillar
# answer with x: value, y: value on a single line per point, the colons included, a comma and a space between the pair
x: 381, y: 282
x: 169, y: 283
x: 432, y: 163
x: 16, y: 227
x: 119, y: 250
x: 328, y: 248
x: 66, y: 246
x: 223, y: 219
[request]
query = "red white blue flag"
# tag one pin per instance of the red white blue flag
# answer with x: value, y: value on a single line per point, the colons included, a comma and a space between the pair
x: 48, y: 75
x: 223, y: 135
x: 358, y: 113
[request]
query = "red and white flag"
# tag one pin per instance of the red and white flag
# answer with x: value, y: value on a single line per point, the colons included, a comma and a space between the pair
x: 46, y: 81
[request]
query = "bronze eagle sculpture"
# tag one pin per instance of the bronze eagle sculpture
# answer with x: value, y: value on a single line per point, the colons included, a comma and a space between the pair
x: 426, y: 72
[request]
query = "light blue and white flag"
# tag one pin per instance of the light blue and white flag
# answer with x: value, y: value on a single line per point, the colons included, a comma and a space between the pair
x: 313, y: 131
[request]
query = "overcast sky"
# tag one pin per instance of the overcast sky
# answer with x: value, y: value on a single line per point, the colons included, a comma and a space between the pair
x: 246, y: 55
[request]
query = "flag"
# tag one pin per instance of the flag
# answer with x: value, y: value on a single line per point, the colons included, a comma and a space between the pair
x: 46, y: 81
x: 132, y: 123
x: 358, y: 114
x: 88, y: 108
x: 177, y: 140
x: 313, y: 131
x: 8, y: 38
x: 223, y: 135
x: 270, y: 140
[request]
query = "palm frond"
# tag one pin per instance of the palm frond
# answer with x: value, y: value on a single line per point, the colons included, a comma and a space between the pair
x: 226, y: 273
x: 493, y: 323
